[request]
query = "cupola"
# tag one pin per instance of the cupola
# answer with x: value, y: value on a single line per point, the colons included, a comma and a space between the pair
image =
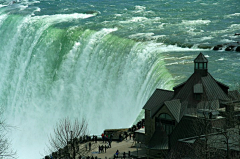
x: 201, y: 65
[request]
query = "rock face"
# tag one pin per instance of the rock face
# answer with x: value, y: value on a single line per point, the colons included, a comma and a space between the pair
x: 234, y: 46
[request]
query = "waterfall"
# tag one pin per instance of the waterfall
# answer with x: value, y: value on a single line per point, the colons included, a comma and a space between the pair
x: 50, y: 72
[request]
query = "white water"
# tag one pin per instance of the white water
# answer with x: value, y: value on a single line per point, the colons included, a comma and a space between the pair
x: 99, y: 76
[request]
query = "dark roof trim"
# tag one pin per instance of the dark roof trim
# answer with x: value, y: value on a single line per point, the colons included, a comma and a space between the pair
x: 201, y: 58
x: 218, y: 81
x: 179, y: 85
x: 157, y: 99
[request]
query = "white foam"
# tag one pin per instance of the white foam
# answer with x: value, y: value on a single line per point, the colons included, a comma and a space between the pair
x: 2, y: 18
x: 118, y: 15
x: 1, y: 5
x: 58, y: 18
x: 235, y: 26
x: 139, y: 9
x: 226, y: 41
x: 195, y: 22
x: 232, y: 15
x: 221, y: 59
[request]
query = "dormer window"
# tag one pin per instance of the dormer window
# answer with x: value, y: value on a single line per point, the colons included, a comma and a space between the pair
x: 198, y: 90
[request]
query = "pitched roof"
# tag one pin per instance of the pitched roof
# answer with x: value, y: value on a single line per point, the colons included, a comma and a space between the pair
x: 184, y: 129
x: 157, y: 99
x: 235, y: 95
x: 174, y: 106
x: 206, y: 85
x: 212, y: 105
x: 201, y: 58
x: 212, y: 89
x: 159, y: 140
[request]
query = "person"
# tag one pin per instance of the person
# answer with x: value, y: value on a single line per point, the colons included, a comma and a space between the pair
x: 102, y: 148
x: 117, y: 152
x: 120, y: 137
x: 105, y: 148
x: 124, y: 155
x: 99, y: 148
x: 95, y: 139
x: 92, y: 157
x: 86, y: 146
x: 90, y: 144
x: 102, y: 137
x: 130, y: 135
x: 109, y: 143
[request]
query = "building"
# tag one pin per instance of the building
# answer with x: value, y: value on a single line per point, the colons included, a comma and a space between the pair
x: 199, y: 101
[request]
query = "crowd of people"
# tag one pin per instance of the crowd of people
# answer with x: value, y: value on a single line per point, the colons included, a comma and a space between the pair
x: 102, y: 148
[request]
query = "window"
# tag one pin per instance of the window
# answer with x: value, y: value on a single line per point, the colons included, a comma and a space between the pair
x: 200, y: 65
x: 167, y: 122
x: 196, y: 65
x: 165, y: 116
x: 205, y: 66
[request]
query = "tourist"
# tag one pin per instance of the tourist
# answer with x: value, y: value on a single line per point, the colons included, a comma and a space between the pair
x: 102, y: 137
x: 102, y: 148
x: 110, y: 144
x: 105, y: 148
x: 124, y: 155
x: 95, y: 139
x: 90, y: 144
x: 99, y: 148
x: 86, y: 146
x: 120, y: 137
x: 117, y: 152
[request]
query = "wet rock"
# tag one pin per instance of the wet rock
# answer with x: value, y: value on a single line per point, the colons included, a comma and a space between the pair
x: 238, y: 49
x: 230, y: 48
x: 218, y: 47
x: 234, y: 46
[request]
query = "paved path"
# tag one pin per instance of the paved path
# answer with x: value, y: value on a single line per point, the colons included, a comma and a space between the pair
x: 124, y: 146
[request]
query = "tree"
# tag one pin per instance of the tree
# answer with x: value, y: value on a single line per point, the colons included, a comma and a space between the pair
x: 65, y: 135
x: 5, y: 145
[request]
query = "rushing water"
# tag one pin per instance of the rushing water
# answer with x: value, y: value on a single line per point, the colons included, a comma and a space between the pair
x: 103, y: 59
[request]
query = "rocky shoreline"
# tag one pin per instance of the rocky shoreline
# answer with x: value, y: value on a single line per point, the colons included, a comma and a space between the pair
x: 233, y: 46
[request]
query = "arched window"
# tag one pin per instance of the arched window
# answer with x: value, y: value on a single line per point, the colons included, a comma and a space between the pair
x: 167, y: 122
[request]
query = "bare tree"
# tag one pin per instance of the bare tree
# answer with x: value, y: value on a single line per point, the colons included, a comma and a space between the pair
x: 65, y: 135
x: 5, y: 145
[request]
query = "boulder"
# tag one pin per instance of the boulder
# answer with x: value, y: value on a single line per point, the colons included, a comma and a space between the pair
x: 218, y: 47
x: 238, y: 49
x: 230, y: 48
x: 234, y: 46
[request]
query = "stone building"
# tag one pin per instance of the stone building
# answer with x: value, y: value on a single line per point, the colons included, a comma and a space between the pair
x: 173, y: 115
